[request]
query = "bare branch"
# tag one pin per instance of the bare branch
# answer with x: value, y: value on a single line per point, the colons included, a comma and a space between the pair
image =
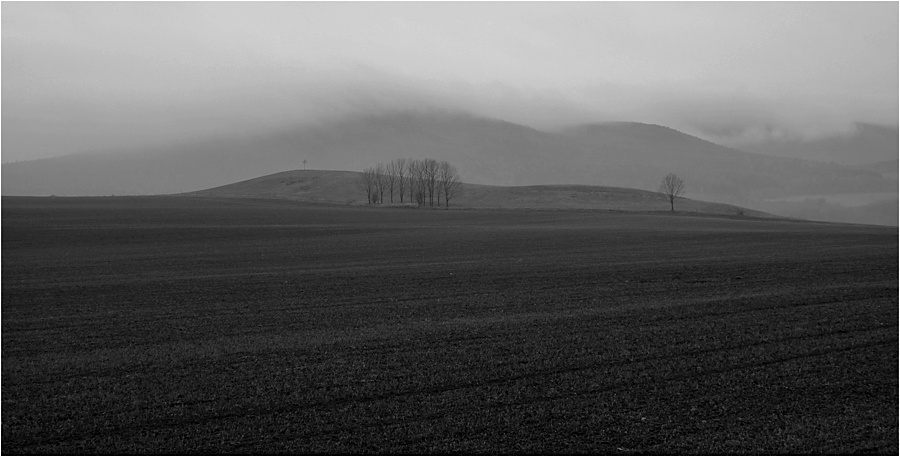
x: 672, y: 187
x: 368, y: 183
x: 449, y: 183
x: 380, y: 181
x: 401, y: 167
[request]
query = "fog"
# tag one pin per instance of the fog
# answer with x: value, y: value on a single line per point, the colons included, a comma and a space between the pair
x: 90, y: 76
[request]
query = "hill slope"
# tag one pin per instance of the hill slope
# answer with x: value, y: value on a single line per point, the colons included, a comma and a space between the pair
x: 636, y: 155
x: 486, y: 151
x: 344, y: 187
x: 867, y: 144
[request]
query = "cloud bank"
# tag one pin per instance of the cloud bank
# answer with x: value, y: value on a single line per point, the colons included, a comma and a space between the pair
x: 88, y: 76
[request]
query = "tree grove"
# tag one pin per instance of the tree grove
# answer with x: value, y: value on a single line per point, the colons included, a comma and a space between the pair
x: 423, y: 181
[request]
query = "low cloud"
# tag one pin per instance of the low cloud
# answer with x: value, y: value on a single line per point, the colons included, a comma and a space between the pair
x: 118, y: 76
x: 252, y: 102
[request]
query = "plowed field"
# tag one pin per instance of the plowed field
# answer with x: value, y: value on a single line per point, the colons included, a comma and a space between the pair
x: 193, y: 326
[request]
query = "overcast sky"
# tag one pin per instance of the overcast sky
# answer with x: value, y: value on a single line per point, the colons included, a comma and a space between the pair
x: 81, y: 76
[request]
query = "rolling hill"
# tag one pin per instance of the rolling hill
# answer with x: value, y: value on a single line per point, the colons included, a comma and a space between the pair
x: 343, y: 187
x: 486, y: 151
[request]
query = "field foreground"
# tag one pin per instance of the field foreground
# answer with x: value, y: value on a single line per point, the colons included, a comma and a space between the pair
x: 233, y: 326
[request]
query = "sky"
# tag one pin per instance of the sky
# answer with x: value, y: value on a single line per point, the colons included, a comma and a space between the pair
x: 92, y: 76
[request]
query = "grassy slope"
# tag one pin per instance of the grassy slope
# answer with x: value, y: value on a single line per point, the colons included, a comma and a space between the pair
x: 161, y: 325
x: 343, y: 187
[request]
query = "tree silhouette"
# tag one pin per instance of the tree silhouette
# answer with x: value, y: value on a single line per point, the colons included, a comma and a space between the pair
x: 401, y: 167
x: 381, y: 181
x: 426, y: 180
x: 672, y: 187
x: 368, y: 182
x: 448, y: 183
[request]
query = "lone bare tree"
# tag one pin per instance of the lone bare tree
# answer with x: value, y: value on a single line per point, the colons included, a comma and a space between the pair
x: 448, y: 183
x: 672, y: 187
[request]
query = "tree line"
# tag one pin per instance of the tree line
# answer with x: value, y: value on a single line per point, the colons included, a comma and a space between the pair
x: 426, y: 181
x: 407, y: 180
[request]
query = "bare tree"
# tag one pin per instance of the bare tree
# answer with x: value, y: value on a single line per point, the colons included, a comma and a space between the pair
x: 412, y: 170
x: 368, y: 182
x: 390, y: 176
x: 380, y: 181
x: 426, y: 180
x: 419, y: 175
x: 430, y: 172
x: 449, y: 183
x: 672, y: 187
x: 401, y: 168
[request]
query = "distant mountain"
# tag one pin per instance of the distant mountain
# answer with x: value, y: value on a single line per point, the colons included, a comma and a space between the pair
x: 887, y: 168
x: 867, y: 144
x: 344, y: 187
x: 636, y: 154
x: 486, y: 151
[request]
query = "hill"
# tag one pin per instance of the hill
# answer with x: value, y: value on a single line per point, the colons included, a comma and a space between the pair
x: 712, y: 171
x: 343, y: 187
x: 867, y: 143
x: 486, y: 151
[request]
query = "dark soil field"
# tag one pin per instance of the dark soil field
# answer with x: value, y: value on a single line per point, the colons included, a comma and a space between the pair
x: 178, y: 325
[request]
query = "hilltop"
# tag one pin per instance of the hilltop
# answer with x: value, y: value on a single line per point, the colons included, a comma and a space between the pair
x: 342, y: 187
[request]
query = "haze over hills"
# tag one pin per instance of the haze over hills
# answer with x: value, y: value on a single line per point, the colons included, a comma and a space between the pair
x: 486, y: 151
x: 865, y: 144
x: 753, y: 104
x: 343, y: 187
x: 887, y: 168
